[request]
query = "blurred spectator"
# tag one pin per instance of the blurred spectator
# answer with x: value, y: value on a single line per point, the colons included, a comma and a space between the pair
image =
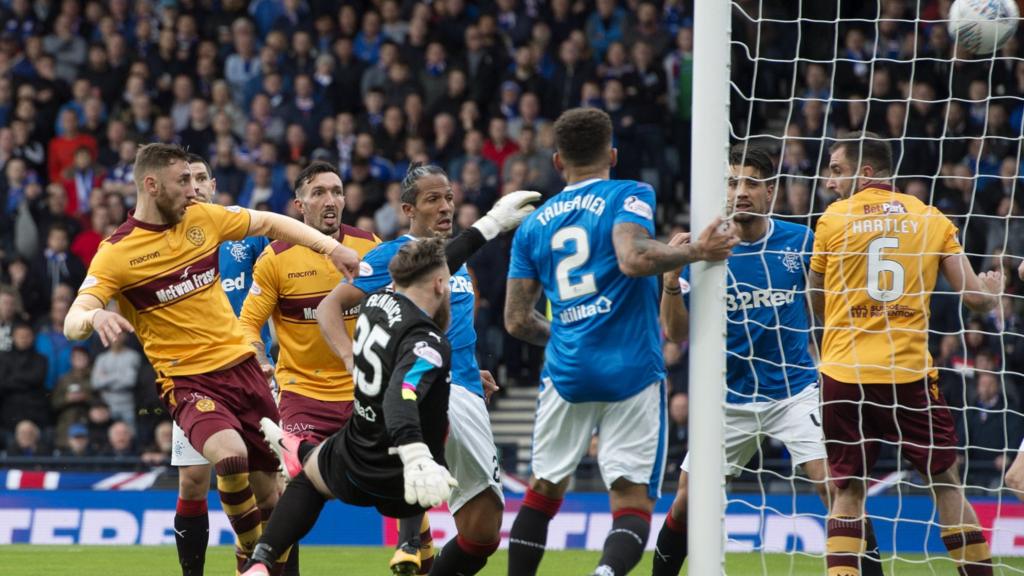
x: 99, y: 422
x: 114, y: 376
x: 472, y: 148
x: 475, y: 191
x: 88, y: 240
x: 51, y: 342
x: 57, y: 265
x: 72, y: 395
x: 10, y: 314
x: 387, y: 219
x: 27, y: 440
x: 80, y: 179
x: 605, y: 25
x: 23, y: 382
x: 61, y: 152
x: 159, y: 451
x: 498, y: 146
x: 76, y: 443
x: 988, y: 432
x: 538, y: 161
x: 120, y: 441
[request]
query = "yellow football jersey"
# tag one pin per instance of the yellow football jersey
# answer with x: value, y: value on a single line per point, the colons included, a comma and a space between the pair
x: 880, y: 252
x: 166, y: 280
x: 288, y: 284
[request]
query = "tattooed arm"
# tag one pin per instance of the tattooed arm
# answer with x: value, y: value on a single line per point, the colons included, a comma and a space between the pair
x: 522, y: 320
x: 816, y: 290
x: 641, y: 255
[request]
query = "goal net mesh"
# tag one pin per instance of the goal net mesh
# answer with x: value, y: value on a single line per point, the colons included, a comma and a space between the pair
x: 802, y: 74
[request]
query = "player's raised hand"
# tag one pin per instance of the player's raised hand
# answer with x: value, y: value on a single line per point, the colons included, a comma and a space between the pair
x: 716, y: 241
x: 490, y: 385
x: 109, y: 325
x: 508, y: 212
x: 346, y: 260
x: 427, y: 483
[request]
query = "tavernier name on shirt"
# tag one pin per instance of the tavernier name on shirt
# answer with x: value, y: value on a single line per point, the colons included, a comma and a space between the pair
x: 589, y: 202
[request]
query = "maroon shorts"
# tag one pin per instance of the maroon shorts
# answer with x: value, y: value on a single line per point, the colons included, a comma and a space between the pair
x: 858, y: 419
x: 312, y: 419
x: 231, y: 399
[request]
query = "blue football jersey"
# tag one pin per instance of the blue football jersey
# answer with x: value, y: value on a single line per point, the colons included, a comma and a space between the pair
x: 373, y: 275
x: 605, y: 343
x: 768, y: 319
x: 237, y: 258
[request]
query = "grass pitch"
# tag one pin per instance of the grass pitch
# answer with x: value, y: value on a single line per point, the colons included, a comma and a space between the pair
x: 22, y: 560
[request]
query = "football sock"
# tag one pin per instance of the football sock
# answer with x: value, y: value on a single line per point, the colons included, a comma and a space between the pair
x: 967, y: 546
x: 426, y: 546
x: 279, y: 567
x: 296, y: 513
x: 191, y: 534
x: 291, y: 566
x: 670, y: 553
x: 845, y: 545
x: 529, y: 534
x: 239, y: 504
x: 462, y: 557
x: 624, y: 545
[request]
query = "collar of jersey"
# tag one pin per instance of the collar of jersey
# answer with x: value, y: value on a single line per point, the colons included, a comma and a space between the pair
x: 762, y: 239
x: 146, y: 225
x: 579, y: 185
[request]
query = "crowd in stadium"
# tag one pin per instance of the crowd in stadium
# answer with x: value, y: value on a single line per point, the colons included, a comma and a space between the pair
x: 263, y: 88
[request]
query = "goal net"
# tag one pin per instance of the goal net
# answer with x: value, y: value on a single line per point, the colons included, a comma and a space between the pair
x: 802, y: 74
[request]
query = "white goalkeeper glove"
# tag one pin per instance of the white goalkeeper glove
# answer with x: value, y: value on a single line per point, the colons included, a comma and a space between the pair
x: 507, y: 213
x: 427, y: 483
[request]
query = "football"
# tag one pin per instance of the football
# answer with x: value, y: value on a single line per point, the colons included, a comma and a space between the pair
x: 983, y: 26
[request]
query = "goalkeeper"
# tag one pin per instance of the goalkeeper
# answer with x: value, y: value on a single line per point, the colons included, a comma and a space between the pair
x: 772, y: 380
x: 391, y: 455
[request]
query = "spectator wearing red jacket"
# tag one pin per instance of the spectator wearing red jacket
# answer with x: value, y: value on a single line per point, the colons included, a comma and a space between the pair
x: 61, y: 152
x: 499, y: 146
x: 81, y: 179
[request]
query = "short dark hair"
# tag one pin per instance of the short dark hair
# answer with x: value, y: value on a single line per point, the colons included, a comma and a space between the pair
x: 314, y: 169
x: 194, y: 158
x: 416, y: 259
x: 410, y: 184
x: 152, y: 157
x: 753, y: 156
x: 865, y: 149
x: 583, y: 136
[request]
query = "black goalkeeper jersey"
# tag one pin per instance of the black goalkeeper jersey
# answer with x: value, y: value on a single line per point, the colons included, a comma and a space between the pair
x: 402, y: 379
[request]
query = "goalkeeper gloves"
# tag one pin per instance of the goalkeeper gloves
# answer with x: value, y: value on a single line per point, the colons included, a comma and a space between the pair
x: 427, y: 483
x: 507, y: 213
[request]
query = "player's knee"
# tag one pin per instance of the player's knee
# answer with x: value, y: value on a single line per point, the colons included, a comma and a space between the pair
x: 480, y: 518
x: 547, y: 488
x: 193, y: 482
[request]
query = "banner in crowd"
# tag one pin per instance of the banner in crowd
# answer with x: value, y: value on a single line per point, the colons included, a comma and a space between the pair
x: 775, y: 523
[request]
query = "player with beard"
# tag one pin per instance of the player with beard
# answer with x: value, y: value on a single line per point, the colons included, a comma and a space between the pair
x: 316, y: 392
x: 236, y: 259
x: 477, y: 503
x: 391, y: 455
x: 772, y: 380
x: 161, y: 265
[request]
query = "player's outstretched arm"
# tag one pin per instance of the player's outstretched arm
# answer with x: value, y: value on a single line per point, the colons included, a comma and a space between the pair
x: 87, y: 314
x: 280, y: 227
x: 980, y: 291
x: 522, y: 320
x: 330, y: 315
x: 640, y: 255
x: 675, y: 317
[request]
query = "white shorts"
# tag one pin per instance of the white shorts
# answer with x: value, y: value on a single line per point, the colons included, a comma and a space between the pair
x: 182, y: 451
x: 470, y: 452
x: 632, y: 432
x: 795, y: 421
